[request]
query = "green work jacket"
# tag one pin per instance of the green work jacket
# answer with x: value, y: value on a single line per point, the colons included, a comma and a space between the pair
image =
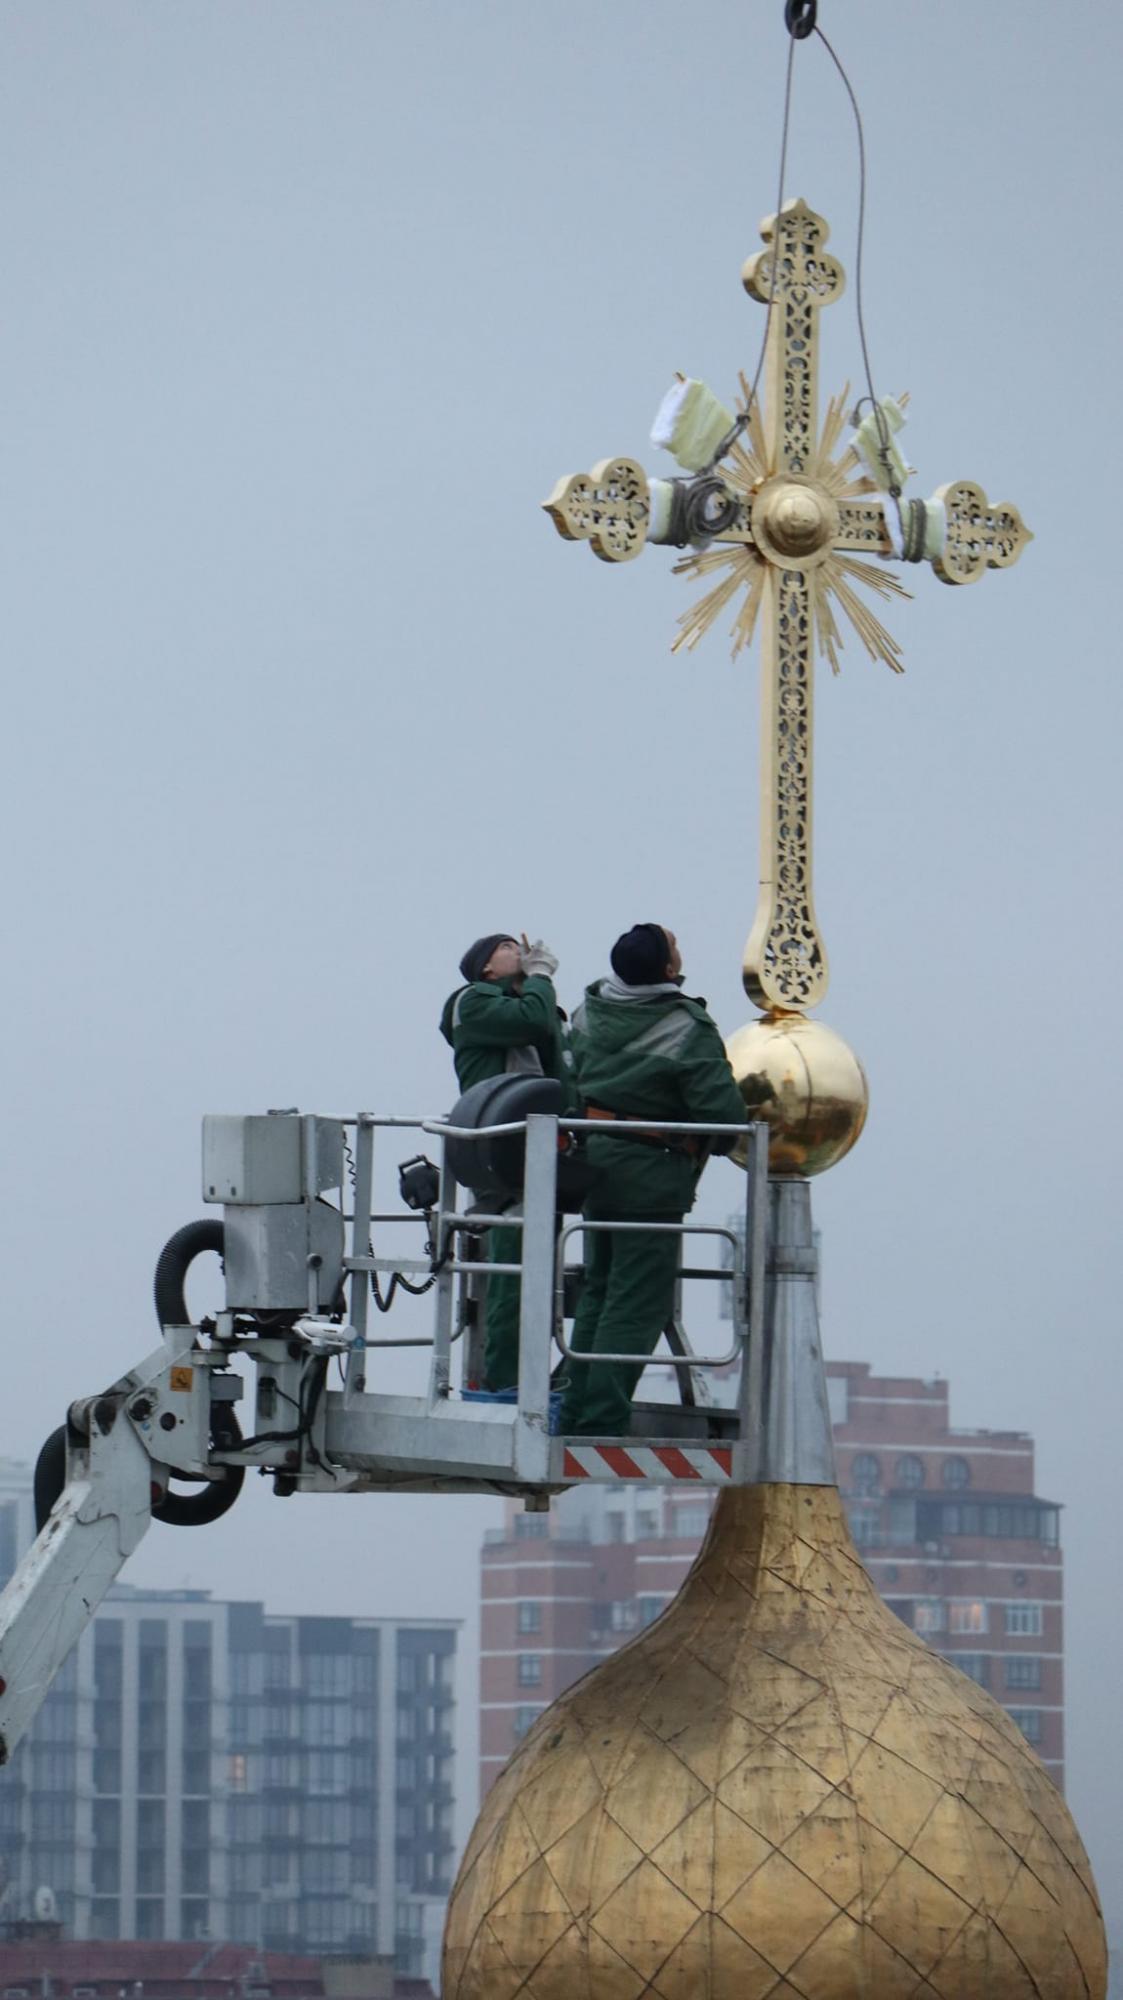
x: 656, y: 1056
x: 494, y: 1030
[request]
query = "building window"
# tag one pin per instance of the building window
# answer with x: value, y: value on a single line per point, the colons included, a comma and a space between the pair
x: 954, y: 1518
x: 865, y: 1472
x: 276, y: 1717
x: 1023, y: 1670
x: 909, y: 1470
x: 324, y: 1771
x: 690, y: 1520
x: 106, y: 1870
x: 865, y: 1523
x: 321, y: 1821
x: 902, y: 1522
x: 976, y: 1666
x: 196, y: 1658
x: 1024, y: 1620
x: 525, y: 1718
x: 622, y: 1615
x: 928, y: 1615
x: 1028, y: 1721
x: 151, y: 1767
x: 956, y: 1472
x: 616, y: 1527
x: 530, y: 1670
x: 532, y: 1527
x: 327, y: 1674
x: 647, y: 1524
x: 196, y: 1874
x: 967, y: 1614
x: 58, y: 1720
x: 52, y: 1818
x: 650, y: 1607
x: 196, y: 1771
x: 529, y: 1617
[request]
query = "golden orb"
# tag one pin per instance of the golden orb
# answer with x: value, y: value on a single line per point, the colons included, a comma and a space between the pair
x: 794, y: 520
x: 775, y: 1792
x: 807, y: 1083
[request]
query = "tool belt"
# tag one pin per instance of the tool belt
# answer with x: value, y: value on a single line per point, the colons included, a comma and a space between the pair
x: 668, y: 1142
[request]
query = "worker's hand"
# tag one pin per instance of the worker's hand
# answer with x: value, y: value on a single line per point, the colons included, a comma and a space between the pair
x: 538, y: 958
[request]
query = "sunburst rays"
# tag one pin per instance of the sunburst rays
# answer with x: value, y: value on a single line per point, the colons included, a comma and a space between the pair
x: 738, y: 568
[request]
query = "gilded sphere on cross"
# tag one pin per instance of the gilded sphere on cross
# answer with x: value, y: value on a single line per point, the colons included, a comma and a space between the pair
x: 807, y: 1083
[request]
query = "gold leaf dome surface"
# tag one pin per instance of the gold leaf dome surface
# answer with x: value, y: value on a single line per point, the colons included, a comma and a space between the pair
x: 808, y: 1084
x: 775, y: 1792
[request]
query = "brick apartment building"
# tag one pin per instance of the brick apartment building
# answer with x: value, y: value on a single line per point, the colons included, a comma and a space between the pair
x: 62, y: 1969
x: 947, y: 1522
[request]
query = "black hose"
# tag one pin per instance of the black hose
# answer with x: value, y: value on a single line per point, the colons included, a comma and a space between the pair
x: 174, y: 1262
x: 217, y: 1496
x: 180, y: 1510
x: 50, y: 1476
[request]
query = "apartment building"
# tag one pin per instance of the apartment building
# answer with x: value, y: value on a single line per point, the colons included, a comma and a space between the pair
x: 947, y: 1521
x: 206, y: 1769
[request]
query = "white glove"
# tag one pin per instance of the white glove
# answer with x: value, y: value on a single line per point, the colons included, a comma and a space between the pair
x: 538, y: 958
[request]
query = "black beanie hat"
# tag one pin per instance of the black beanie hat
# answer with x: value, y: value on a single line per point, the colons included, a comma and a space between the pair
x: 477, y: 955
x: 642, y: 955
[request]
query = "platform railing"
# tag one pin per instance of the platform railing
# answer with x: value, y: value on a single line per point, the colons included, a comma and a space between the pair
x: 541, y: 1266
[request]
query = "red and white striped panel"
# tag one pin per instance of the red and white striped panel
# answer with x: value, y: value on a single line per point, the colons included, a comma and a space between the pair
x: 712, y: 1464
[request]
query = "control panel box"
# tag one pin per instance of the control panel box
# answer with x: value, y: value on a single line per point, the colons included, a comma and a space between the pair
x: 277, y: 1156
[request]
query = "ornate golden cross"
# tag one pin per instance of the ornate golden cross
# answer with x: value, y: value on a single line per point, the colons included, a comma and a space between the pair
x: 780, y: 519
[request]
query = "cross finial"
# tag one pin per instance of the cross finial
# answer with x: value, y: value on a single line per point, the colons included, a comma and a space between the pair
x: 786, y: 522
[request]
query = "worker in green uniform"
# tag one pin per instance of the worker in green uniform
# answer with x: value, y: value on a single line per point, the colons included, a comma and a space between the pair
x: 642, y: 1049
x: 505, y: 1021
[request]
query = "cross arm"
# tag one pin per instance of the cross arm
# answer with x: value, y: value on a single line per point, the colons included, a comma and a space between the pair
x: 977, y: 535
x: 863, y: 528
x: 617, y: 508
x: 958, y: 531
x: 610, y: 507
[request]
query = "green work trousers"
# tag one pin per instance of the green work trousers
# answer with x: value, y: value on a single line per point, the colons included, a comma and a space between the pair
x: 501, y: 1312
x: 628, y: 1298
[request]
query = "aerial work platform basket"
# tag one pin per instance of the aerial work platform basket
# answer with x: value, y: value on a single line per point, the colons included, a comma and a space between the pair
x: 295, y: 1341
x: 482, y: 1439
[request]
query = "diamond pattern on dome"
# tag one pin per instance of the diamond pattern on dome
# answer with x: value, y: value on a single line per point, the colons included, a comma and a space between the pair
x: 623, y: 1921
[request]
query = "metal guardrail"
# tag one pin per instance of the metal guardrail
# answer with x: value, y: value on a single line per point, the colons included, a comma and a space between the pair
x: 542, y: 1265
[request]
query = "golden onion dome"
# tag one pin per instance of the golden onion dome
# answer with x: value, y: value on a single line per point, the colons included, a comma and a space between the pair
x: 775, y: 1792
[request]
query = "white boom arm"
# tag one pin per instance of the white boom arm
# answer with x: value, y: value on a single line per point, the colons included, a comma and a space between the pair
x: 104, y: 1510
x: 114, y: 1468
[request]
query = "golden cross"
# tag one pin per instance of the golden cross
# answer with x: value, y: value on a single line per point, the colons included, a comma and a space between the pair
x: 780, y: 519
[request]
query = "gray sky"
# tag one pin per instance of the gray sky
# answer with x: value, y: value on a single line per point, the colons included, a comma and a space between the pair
x: 305, y: 307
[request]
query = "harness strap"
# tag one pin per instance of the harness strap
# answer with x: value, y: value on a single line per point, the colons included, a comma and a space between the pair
x: 671, y: 1142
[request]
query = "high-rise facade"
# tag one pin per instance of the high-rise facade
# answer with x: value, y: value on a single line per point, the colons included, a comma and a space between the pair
x: 947, y: 1521
x: 207, y: 1769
